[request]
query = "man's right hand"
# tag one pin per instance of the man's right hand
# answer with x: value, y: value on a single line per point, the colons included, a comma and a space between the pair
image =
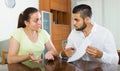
x: 69, y: 51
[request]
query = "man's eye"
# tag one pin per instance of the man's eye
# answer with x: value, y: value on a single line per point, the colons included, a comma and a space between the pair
x: 76, y: 20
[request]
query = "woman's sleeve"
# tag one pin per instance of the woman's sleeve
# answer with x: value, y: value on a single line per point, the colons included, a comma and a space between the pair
x: 16, y: 35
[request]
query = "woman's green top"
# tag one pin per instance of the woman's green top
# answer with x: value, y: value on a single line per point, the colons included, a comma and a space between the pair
x: 27, y: 46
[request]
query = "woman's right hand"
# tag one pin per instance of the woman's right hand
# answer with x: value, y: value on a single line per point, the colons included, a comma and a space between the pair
x: 33, y: 58
x: 49, y: 55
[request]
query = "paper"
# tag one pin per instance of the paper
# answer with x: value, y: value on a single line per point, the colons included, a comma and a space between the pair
x: 80, y: 51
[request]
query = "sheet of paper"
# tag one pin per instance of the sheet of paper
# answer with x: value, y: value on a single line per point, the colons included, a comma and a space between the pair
x: 80, y: 51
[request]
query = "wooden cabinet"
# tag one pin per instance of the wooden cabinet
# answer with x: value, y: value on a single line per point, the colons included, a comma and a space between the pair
x: 60, y: 19
x: 59, y: 32
x: 59, y: 5
x: 44, y: 5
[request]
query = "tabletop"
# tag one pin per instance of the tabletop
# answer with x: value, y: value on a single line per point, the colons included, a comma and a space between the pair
x: 62, y: 65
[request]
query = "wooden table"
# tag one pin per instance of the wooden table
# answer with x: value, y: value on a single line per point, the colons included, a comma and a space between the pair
x: 62, y: 65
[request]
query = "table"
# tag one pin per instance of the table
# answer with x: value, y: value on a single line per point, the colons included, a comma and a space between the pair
x: 62, y: 65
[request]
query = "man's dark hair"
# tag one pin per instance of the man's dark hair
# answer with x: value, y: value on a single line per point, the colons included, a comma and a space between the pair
x: 83, y: 9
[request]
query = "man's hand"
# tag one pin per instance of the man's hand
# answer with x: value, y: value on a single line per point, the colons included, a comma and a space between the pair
x: 69, y: 51
x: 94, y: 52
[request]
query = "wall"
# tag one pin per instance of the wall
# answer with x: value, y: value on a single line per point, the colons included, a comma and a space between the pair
x: 96, y: 8
x: 112, y: 19
x: 105, y: 13
x: 9, y: 18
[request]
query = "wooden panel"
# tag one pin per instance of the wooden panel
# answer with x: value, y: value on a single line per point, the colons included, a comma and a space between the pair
x: 44, y: 5
x: 56, y: 36
x: 65, y: 31
x: 60, y: 5
x: 65, y: 18
x: 60, y: 29
x: 57, y: 44
x: 56, y: 28
x: 60, y: 18
x: 68, y: 12
x: 59, y: 32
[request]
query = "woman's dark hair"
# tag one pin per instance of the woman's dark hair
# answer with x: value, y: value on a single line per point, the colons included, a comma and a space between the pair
x: 25, y: 16
x: 83, y: 9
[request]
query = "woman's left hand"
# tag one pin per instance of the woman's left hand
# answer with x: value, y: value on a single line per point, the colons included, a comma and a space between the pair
x: 49, y: 55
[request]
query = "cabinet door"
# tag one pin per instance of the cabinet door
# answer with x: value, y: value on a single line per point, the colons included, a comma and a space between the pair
x: 60, y: 5
x: 44, y: 5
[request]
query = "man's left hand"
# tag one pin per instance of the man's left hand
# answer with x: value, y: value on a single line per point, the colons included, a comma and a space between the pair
x: 94, y: 52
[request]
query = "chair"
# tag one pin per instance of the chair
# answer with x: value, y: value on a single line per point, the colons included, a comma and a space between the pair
x: 3, y: 56
x: 4, y: 45
x: 118, y: 55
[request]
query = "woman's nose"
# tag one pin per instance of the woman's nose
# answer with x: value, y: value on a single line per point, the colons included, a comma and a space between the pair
x: 39, y: 22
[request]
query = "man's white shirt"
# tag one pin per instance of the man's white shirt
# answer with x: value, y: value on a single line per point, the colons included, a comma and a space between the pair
x: 100, y: 38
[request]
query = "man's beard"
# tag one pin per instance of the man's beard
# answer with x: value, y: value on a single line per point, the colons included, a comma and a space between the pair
x: 82, y: 27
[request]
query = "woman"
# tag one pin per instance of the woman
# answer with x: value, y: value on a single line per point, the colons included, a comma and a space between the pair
x: 29, y: 41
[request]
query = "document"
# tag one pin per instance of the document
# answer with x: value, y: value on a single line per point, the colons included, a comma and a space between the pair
x: 80, y: 51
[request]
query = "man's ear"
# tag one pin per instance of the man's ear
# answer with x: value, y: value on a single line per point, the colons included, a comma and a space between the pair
x: 87, y: 19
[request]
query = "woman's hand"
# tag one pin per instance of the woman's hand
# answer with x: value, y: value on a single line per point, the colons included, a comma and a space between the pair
x: 34, y: 59
x: 49, y: 55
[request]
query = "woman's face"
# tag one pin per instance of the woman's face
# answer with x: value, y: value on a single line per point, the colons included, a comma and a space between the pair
x: 34, y: 22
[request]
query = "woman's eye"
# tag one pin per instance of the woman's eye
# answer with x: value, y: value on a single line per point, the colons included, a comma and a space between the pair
x: 36, y: 21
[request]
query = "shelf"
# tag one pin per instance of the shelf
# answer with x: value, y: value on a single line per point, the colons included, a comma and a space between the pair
x: 59, y: 17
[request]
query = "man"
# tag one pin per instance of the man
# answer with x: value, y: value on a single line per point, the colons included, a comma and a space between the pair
x: 102, y: 47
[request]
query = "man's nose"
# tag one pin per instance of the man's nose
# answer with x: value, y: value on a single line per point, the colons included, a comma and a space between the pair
x: 74, y: 22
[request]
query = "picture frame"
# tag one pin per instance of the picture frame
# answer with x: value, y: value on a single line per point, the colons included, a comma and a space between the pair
x: 46, y: 21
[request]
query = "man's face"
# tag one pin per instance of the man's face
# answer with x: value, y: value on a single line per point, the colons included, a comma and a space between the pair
x: 79, y: 22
